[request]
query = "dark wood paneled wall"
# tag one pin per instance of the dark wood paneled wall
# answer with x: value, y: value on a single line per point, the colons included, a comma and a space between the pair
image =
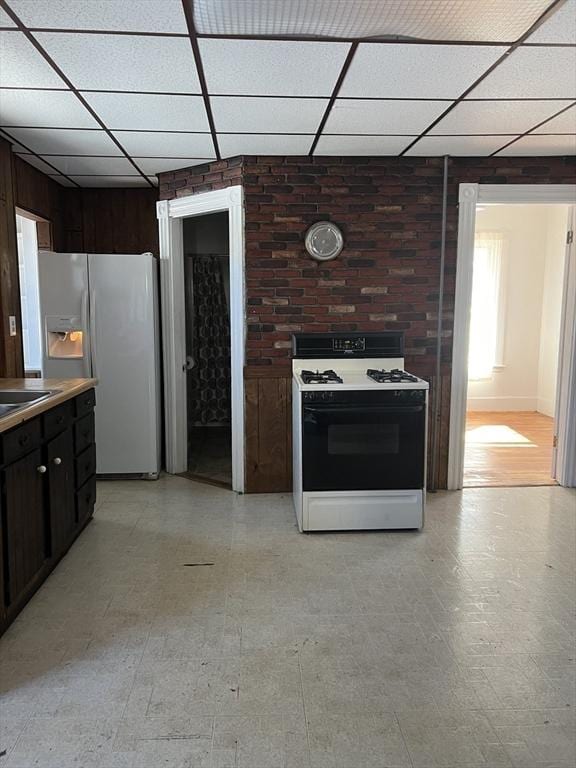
x: 268, y: 418
x: 11, y: 361
x: 90, y: 220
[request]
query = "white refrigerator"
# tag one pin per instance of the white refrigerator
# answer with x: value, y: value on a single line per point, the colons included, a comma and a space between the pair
x: 99, y: 317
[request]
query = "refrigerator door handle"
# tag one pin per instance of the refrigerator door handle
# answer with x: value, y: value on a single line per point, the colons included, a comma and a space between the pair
x: 85, y: 331
x: 93, y: 334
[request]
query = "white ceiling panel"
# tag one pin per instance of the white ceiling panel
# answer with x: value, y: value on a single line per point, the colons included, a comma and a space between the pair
x: 382, y: 117
x: 65, y: 142
x: 502, y: 20
x: 473, y: 146
x: 22, y: 66
x: 149, y: 111
x: 110, y: 181
x: 153, y: 165
x: 496, y: 116
x: 417, y: 71
x: 153, y: 180
x: 63, y: 181
x: 123, y: 62
x: 88, y: 165
x: 559, y: 28
x: 531, y: 72
x: 272, y: 68
x: 150, y: 144
x: 535, y: 145
x: 37, y: 163
x: 56, y: 109
x: 564, y: 123
x: 5, y: 20
x: 267, y: 115
x: 118, y: 15
x: 361, y: 145
x: 259, y: 144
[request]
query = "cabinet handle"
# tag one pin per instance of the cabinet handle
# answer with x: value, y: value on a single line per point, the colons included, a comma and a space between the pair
x: 41, y: 469
x: 57, y: 461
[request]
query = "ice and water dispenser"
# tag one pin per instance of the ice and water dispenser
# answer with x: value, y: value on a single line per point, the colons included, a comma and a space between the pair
x: 64, y: 337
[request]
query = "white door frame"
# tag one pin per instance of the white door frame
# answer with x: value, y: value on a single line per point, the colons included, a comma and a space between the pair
x: 170, y: 223
x: 471, y: 195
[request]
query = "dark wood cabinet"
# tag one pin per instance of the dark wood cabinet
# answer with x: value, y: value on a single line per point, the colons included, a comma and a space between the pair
x: 60, y: 463
x: 47, y: 496
x: 24, y: 524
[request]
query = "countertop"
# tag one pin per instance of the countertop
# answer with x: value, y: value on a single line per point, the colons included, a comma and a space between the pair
x: 68, y: 388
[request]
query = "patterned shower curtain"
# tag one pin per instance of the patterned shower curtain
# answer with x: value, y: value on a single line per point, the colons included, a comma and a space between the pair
x: 209, y: 384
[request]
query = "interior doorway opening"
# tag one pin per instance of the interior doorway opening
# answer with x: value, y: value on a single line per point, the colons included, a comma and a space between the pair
x: 206, y: 245
x: 518, y: 281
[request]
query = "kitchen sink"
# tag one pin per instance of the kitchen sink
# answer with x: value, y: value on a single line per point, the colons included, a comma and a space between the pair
x: 15, y: 399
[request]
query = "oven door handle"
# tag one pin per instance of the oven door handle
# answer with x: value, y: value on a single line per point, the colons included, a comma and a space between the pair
x: 324, y: 409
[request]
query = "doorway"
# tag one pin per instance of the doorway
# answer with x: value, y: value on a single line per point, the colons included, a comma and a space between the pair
x: 173, y: 220
x: 515, y: 314
x: 208, y: 363
x: 512, y: 421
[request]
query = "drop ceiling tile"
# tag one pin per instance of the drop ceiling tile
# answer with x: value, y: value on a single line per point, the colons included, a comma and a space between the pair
x: 110, y: 181
x: 559, y: 28
x: 260, y: 144
x: 65, y: 142
x: 471, y: 146
x: 149, y: 111
x: 57, y: 109
x: 531, y: 72
x: 153, y: 165
x: 124, y: 62
x: 118, y: 15
x: 5, y: 20
x: 362, y: 145
x: 37, y: 163
x: 535, y: 145
x: 267, y: 115
x: 496, y: 116
x: 22, y: 66
x: 564, y: 123
x: 116, y: 166
x: 272, y: 68
x: 382, y: 117
x: 166, y: 144
x: 153, y: 180
x: 63, y: 181
x: 425, y: 19
x: 417, y: 71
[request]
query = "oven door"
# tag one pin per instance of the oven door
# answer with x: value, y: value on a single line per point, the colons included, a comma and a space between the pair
x: 363, y: 447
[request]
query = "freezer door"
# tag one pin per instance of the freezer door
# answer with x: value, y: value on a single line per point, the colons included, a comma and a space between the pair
x: 65, y: 334
x: 124, y: 339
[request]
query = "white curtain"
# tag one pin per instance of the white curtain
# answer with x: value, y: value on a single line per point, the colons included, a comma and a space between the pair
x: 485, y: 309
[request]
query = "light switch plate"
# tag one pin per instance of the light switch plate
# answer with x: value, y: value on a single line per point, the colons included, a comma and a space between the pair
x: 12, y: 324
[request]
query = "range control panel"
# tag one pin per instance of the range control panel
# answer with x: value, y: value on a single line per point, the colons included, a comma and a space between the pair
x: 353, y: 344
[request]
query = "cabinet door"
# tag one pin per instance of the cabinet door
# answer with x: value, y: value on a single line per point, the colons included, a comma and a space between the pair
x: 60, y: 463
x: 25, y: 524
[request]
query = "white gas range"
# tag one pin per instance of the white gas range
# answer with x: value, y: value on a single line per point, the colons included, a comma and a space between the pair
x: 359, y: 433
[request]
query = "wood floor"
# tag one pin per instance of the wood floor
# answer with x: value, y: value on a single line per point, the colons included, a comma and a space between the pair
x: 508, y: 448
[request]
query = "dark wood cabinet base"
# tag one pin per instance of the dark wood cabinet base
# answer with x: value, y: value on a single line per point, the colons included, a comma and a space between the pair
x: 47, y: 497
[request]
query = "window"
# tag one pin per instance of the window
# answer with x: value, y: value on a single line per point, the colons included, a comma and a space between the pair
x: 487, y: 310
x: 29, y: 296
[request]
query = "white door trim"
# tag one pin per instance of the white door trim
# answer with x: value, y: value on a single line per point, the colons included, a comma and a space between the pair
x: 470, y: 195
x: 170, y: 215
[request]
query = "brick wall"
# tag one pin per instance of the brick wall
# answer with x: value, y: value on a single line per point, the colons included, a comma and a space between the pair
x: 388, y: 273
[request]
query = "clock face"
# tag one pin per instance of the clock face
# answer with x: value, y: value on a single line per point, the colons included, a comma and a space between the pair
x: 324, y: 241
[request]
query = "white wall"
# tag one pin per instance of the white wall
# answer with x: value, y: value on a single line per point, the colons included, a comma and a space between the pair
x: 551, y: 309
x: 530, y: 241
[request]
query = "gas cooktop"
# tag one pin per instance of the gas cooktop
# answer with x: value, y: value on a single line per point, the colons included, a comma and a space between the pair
x: 394, y: 376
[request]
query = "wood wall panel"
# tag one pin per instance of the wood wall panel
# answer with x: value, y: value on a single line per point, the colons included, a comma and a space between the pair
x: 119, y: 220
x: 268, y: 420
x: 11, y: 356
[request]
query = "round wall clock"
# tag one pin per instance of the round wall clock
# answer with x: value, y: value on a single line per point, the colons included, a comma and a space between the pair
x: 324, y: 241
